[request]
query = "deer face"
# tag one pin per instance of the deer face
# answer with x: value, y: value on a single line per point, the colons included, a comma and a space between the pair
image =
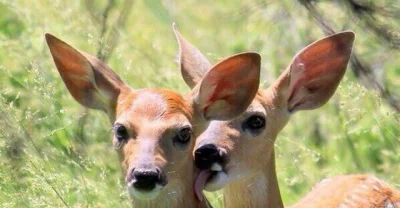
x: 153, y: 136
x: 152, y: 128
x: 239, y: 148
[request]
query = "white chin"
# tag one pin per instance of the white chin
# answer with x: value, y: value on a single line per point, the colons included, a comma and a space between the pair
x: 217, y: 182
x: 144, y: 195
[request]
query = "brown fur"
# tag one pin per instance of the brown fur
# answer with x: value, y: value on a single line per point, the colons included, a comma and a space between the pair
x: 309, y: 81
x: 351, y: 191
x: 153, y: 118
x: 249, y: 174
x: 251, y: 158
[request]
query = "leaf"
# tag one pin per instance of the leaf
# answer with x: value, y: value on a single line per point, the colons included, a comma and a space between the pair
x: 59, y: 140
x: 17, y: 84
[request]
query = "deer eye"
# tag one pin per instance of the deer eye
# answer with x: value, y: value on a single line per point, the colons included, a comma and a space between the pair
x: 183, y: 136
x: 121, y: 135
x: 254, y: 123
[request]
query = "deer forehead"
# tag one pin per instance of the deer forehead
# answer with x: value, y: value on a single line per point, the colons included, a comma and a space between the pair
x: 255, y: 108
x: 153, y: 105
x: 220, y: 127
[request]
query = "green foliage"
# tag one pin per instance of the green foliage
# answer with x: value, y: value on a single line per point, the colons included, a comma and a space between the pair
x: 10, y: 25
x: 46, y: 162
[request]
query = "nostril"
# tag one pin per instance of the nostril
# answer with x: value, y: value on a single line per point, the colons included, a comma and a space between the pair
x: 130, y: 175
x: 206, y: 155
x: 158, y: 171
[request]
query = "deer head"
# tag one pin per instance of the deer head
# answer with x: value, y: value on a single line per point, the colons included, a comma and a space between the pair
x: 228, y: 151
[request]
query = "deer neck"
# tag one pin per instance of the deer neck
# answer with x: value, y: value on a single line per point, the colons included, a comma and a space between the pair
x: 258, y: 190
x: 178, y: 193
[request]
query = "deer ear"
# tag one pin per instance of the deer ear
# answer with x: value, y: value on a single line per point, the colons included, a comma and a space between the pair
x: 315, y: 72
x: 192, y: 62
x: 89, y: 80
x: 229, y: 87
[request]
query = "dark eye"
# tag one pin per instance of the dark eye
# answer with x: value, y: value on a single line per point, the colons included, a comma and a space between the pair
x: 254, y: 122
x: 121, y: 133
x: 183, y: 137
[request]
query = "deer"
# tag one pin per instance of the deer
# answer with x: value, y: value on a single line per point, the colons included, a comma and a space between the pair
x: 154, y: 130
x: 238, y: 155
x: 350, y: 191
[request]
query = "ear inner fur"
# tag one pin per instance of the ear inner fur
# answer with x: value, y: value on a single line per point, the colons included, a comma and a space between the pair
x: 316, y: 71
x: 90, y: 82
x: 229, y: 86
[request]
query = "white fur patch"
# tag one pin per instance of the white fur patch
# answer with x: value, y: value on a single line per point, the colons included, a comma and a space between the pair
x: 144, y: 195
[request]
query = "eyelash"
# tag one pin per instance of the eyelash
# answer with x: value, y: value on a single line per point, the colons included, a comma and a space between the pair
x: 254, y: 124
x: 121, y: 134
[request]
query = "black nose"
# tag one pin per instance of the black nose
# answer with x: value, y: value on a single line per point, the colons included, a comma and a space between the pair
x: 207, y: 155
x: 146, y: 179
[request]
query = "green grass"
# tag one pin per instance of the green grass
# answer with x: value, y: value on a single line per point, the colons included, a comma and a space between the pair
x: 44, y: 162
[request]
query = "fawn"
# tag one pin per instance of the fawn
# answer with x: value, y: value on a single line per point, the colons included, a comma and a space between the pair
x: 238, y: 155
x: 351, y: 191
x: 154, y: 129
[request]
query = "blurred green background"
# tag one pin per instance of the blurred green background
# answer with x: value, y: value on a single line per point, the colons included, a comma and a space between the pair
x: 54, y: 153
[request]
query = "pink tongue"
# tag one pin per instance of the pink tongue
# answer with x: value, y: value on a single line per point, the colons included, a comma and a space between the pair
x: 200, y: 183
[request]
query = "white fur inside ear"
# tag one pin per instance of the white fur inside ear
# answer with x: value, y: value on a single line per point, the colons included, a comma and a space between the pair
x: 217, y: 110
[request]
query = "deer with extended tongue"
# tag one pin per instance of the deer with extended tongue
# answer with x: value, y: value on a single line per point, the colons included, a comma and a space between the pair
x: 238, y: 155
x: 154, y: 129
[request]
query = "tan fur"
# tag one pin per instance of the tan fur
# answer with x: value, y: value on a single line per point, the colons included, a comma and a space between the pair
x: 258, y: 190
x: 152, y: 119
x: 251, y: 158
x: 148, y: 113
x: 249, y: 167
x: 351, y: 191
x: 308, y: 82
